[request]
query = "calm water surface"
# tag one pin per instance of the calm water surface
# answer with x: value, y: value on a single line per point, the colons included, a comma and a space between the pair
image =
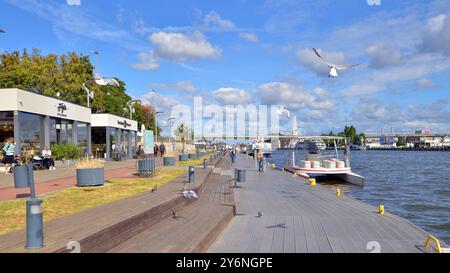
x: 413, y: 185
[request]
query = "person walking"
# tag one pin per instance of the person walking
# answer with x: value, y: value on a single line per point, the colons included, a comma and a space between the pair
x: 155, y: 150
x: 8, y: 151
x: 162, y: 149
x: 260, y: 158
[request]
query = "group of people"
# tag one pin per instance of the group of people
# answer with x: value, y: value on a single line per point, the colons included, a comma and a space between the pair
x: 259, y: 157
x: 10, y: 159
x: 159, y: 150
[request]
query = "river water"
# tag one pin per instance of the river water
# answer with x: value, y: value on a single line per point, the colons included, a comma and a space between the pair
x: 413, y: 185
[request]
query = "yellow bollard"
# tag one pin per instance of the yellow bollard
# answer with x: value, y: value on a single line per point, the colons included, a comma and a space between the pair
x: 273, y: 166
x: 282, y: 169
x: 381, y: 209
x: 312, y: 182
x: 338, y: 192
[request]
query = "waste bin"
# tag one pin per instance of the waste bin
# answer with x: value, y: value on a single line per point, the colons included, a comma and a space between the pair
x: 241, y: 176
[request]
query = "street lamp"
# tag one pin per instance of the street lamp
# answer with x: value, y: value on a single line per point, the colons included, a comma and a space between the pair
x: 99, y: 81
x: 130, y: 106
x: 156, y: 124
x: 170, y: 121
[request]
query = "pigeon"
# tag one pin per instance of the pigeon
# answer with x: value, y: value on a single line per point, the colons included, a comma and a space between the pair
x: 174, y: 214
x: 155, y: 188
x: 189, y: 194
x: 334, y: 68
x: 260, y: 213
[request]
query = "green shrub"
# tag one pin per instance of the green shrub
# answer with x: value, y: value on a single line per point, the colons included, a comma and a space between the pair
x: 66, y: 152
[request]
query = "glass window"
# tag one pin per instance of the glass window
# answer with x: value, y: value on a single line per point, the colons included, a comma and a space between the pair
x: 30, y: 131
x: 63, y: 131
x: 53, y: 138
x: 82, y: 134
x: 125, y: 142
x: 112, y: 140
x: 6, y: 126
x: 99, y: 142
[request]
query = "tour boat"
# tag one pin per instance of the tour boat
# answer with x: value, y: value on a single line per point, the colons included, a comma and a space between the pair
x: 319, y: 163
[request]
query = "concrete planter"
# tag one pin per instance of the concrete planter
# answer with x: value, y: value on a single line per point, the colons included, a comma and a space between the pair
x: 169, y: 161
x: 90, y: 177
x: 184, y: 157
x: 21, y: 177
x: 192, y: 156
x: 146, y: 165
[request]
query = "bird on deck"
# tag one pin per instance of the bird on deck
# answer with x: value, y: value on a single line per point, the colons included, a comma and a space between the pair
x: 333, y: 67
x: 260, y: 214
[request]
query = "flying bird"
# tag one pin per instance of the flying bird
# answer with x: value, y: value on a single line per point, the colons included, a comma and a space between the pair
x: 333, y: 67
x: 282, y: 111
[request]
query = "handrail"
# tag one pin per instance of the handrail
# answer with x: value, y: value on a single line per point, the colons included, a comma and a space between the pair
x: 434, y: 239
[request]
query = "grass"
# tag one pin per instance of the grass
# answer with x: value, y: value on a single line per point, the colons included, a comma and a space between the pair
x: 193, y: 162
x: 68, y: 201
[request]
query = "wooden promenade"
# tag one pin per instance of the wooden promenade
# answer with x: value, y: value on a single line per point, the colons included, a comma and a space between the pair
x: 299, y: 218
x: 145, y: 222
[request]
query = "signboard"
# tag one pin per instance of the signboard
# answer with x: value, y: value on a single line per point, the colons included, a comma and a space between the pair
x: 148, y: 142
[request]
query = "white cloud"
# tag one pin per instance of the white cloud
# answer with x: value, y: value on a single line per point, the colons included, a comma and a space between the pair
x: 249, y: 37
x: 436, y: 35
x: 424, y: 84
x: 294, y: 97
x: 383, y: 55
x: 148, y: 62
x: 182, y: 47
x: 213, y: 19
x: 232, y: 96
x: 181, y: 86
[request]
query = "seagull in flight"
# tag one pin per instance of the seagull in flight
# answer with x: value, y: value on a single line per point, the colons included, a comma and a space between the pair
x: 282, y: 111
x: 333, y: 67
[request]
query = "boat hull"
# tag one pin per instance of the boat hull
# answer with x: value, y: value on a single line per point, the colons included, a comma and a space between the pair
x: 344, y: 174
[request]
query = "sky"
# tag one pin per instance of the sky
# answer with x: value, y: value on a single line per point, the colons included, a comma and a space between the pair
x: 260, y: 52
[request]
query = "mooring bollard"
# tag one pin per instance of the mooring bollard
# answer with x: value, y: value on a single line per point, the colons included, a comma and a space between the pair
x: 191, y: 174
x: 381, y: 210
x: 205, y: 163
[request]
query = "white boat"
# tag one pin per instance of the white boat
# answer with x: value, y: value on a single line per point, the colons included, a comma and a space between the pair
x: 318, y: 163
x: 265, y: 147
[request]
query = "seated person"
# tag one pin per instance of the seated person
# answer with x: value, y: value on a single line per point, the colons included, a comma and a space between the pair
x: 49, y: 163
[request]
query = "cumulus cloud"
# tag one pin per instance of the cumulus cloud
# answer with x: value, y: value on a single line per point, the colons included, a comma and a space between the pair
x: 383, y: 55
x: 436, y: 35
x: 186, y: 86
x: 182, y: 47
x: 249, y: 37
x: 310, y: 61
x: 294, y: 97
x: 232, y: 96
x: 213, y: 19
x: 148, y: 62
x: 424, y: 84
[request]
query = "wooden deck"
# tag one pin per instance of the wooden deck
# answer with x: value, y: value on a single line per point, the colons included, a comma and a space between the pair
x: 101, y: 228
x: 298, y: 218
x: 195, y: 227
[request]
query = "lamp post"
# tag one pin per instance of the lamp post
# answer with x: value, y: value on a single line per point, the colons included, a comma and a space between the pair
x: 170, y: 121
x: 130, y: 106
x: 99, y: 81
x: 156, y: 125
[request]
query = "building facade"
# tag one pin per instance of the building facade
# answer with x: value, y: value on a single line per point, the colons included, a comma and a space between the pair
x: 113, y: 136
x: 36, y: 121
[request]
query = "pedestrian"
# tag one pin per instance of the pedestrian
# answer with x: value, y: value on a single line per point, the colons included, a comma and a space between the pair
x: 8, y: 151
x: 260, y: 158
x: 162, y: 149
x: 155, y: 150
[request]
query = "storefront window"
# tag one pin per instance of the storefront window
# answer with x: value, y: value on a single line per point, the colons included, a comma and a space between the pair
x: 63, y: 131
x: 125, y: 142
x: 6, y: 126
x: 82, y: 133
x: 53, y: 138
x: 30, y: 132
x: 99, y: 142
x: 112, y: 140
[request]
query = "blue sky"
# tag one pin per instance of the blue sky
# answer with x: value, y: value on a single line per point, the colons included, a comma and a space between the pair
x: 249, y: 51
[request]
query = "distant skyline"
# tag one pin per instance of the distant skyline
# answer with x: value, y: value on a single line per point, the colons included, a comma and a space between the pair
x: 260, y: 52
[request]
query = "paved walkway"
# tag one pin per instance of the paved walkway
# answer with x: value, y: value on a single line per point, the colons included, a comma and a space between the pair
x: 299, y: 218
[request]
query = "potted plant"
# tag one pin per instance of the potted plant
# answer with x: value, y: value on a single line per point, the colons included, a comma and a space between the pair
x: 90, y: 172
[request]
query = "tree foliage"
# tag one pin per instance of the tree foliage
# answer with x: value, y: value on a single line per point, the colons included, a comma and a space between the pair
x: 66, y: 74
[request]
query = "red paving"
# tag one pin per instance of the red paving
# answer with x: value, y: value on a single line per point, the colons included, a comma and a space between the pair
x: 11, y: 193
